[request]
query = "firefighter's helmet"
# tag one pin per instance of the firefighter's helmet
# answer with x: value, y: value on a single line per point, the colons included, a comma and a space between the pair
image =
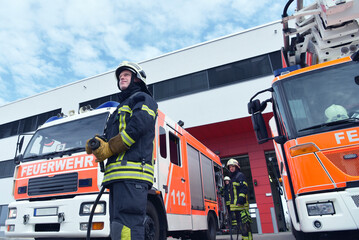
x: 233, y: 162
x: 335, y: 113
x: 226, y: 178
x: 136, y: 70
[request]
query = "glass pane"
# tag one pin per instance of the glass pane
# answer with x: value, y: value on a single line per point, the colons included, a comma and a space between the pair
x: 162, y: 139
x: 195, y: 177
x: 65, y: 136
x: 208, y: 179
x: 321, y: 97
x: 3, y: 214
x: 181, y: 85
x: 174, y: 150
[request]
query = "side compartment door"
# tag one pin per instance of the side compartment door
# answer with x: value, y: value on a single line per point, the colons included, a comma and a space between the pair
x: 177, y: 200
x: 173, y: 171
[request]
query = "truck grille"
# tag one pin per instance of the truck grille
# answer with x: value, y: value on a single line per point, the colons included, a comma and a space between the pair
x: 57, y: 184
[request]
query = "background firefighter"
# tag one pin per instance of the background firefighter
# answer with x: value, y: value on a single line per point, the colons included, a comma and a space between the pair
x: 239, y: 199
x: 129, y: 169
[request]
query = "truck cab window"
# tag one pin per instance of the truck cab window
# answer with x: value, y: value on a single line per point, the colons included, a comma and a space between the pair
x: 174, y: 150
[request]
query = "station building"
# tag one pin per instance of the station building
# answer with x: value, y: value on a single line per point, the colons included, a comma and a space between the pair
x: 207, y: 86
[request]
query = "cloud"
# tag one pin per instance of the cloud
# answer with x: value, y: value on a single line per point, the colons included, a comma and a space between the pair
x: 45, y: 44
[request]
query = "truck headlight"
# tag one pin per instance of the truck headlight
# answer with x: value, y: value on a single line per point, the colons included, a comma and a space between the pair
x: 324, y: 208
x: 12, y: 213
x: 86, y: 208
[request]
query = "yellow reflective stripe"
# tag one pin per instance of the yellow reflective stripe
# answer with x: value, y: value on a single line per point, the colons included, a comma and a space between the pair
x: 125, y: 108
x: 130, y: 166
x: 120, y: 156
x: 122, y: 124
x: 128, y: 175
x: 127, y: 139
x: 122, y: 117
x: 126, y: 233
x: 147, y: 109
x: 242, y: 195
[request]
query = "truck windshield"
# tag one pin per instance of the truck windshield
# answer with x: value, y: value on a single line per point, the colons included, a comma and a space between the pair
x: 65, y: 138
x: 322, y: 99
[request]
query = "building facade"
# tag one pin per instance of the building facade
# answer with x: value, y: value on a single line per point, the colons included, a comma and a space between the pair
x: 207, y: 86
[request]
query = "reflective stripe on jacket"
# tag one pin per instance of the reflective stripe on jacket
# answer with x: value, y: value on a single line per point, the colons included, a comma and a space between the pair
x: 135, y: 120
x: 238, y: 192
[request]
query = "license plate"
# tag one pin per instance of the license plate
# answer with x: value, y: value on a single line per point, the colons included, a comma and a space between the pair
x: 45, y: 211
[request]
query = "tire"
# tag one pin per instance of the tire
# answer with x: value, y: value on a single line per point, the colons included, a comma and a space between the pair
x: 212, y: 228
x: 210, y: 233
x: 299, y: 235
x: 152, y: 223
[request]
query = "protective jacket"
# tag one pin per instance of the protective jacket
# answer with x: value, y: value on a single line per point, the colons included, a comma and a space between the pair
x: 226, y: 190
x: 238, y: 192
x: 135, y: 120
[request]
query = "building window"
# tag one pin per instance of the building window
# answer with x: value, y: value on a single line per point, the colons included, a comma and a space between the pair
x: 25, y: 125
x: 235, y: 72
x: 239, y: 71
x: 7, y: 168
x: 180, y: 86
x: 94, y: 103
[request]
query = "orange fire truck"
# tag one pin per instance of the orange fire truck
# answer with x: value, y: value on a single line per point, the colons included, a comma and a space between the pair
x: 315, y: 124
x: 56, y: 183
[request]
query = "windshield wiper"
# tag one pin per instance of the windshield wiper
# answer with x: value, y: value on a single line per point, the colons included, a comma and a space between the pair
x: 347, y: 120
x: 68, y: 152
x: 58, y: 154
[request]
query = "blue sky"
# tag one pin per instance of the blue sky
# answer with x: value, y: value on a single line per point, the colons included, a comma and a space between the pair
x: 49, y: 43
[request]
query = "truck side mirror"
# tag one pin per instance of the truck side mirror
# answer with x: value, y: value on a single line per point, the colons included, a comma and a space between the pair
x: 255, y: 108
x: 20, y: 143
x: 259, y: 127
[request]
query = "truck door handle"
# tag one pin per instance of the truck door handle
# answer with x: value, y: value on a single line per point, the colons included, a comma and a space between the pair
x: 183, y: 180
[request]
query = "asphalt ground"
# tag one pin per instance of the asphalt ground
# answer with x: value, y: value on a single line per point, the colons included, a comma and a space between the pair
x: 268, y: 236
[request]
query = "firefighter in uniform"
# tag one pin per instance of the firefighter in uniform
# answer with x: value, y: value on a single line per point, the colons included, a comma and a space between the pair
x: 128, y: 145
x: 239, y: 199
x: 227, y: 184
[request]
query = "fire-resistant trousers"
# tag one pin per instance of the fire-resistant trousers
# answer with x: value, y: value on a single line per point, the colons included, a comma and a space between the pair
x: 244, y: 226
x: 127, y: 205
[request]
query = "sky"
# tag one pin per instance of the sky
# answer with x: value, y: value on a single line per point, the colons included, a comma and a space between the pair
x: 45, y: 44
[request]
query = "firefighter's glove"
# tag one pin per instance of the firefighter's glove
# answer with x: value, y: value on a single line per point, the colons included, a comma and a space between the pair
x: 88, y: 149
x: 117, y: 145
x: 103, y: 151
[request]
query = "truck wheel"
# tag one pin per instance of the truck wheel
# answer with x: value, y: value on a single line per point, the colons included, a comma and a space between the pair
x: 304, y: 236
x: 152, y: 224
x: 210, y: 233
x: 212, y: 229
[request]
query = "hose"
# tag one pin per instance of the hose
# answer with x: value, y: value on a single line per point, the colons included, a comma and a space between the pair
x: 94, y: 144
x: 89, y: 225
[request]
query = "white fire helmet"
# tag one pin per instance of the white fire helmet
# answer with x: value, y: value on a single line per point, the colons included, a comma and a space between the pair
x: 135, y: 69
x: 234, y: 162
x: 226, y: 178
x: 335, y: 113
